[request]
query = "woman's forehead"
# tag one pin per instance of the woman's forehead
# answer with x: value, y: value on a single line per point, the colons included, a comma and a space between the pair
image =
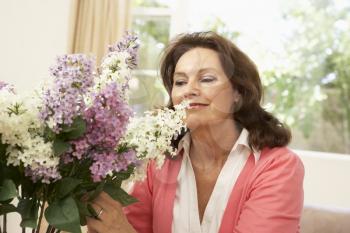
x: 198, y: 59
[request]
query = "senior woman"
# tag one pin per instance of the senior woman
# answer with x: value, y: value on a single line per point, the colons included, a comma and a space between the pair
x: 233, y: 172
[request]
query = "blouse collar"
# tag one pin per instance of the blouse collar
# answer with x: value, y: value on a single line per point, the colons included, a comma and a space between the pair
x: 242, y: 141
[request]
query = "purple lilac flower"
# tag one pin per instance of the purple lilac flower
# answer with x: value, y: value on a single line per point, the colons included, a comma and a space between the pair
x: 44, y: 174
x: 73, y: 76
x: 3, y: 84
x: 129, y: 44
x: 67, y: 157
x: 6, y: 86
x: 81, y: 146
x: 107, y: 162
x: 107, y: 118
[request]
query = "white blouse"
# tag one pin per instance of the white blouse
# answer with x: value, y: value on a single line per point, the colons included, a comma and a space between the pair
x: 185, y: 212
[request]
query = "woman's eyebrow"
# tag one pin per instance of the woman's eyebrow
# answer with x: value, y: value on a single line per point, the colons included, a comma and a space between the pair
x: 203, y: 70
x: 180, y: 74
x: 200, y: 71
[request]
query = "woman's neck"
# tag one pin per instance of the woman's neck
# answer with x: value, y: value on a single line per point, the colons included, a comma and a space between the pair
x: 211, y: 145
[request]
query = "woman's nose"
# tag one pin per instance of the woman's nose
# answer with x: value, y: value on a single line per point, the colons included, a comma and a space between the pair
x: 191, y: 90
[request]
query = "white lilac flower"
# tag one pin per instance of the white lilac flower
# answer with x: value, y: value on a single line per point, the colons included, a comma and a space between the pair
x: 33, y: 152
x: 151, y: 135
x: 117, y: 65
x: 21, y: 130
x: 115, y: 70
x: 130, y: 44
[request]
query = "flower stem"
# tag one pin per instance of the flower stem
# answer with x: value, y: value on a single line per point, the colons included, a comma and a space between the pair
x: 4, y: 223
x: 49, y: 229
x: 42, y: 208
x: 41, y: 215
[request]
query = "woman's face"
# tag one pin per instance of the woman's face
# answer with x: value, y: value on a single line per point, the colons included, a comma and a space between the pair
x: 200, y: 78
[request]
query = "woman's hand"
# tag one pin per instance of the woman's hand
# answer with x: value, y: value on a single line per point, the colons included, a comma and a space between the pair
x: 111, y: 218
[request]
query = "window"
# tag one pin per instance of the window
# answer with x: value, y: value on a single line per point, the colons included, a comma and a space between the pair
x: 151, y: 22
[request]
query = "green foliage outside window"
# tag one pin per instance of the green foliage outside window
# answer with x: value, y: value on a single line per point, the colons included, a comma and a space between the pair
x: 154, y: 34
x: 153, y: 31
x: 316, y: 80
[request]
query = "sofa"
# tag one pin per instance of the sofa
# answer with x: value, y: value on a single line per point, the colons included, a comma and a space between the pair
x: 317, y: 219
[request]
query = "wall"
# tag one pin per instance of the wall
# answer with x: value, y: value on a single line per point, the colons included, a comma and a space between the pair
x: 33, y: 33
x: 327, y: 177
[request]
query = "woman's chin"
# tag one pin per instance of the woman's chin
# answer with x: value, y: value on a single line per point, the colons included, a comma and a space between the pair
x: 193, y: 123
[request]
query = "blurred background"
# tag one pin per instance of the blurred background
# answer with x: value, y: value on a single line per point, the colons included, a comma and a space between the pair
x: 301, y: 47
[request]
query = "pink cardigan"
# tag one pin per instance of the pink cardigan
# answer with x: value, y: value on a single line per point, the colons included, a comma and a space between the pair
x: 267, y: 197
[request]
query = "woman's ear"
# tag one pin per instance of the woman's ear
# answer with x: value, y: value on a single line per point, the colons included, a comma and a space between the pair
x: 237, y: 101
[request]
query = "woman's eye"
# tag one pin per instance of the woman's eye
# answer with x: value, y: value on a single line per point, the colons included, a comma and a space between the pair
x: 208, y: 79
x: 179, y: 83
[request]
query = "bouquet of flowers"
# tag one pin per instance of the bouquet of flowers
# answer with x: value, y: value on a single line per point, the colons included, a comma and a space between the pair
x: 76, y: 138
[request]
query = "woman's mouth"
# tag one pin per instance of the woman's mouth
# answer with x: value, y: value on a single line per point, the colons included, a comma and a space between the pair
x: 197, y: 106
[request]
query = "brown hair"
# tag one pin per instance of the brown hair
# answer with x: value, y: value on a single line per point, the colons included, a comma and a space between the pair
x: 265, y: 130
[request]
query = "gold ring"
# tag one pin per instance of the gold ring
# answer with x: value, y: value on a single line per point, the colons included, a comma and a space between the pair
x: 99, y: 213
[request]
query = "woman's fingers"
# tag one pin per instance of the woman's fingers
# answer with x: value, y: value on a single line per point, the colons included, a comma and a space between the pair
x: 90, y: 230
x: 108, y: 205
x: 110, y: 216
x: 107, y: 201
x: 108, y: 210
x: 102, y: 208
x: 98, y: 209
x: 96, y: 226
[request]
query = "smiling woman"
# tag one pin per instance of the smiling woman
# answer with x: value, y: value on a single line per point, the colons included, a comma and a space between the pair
x: 233, y: 172
x: 234, y: 81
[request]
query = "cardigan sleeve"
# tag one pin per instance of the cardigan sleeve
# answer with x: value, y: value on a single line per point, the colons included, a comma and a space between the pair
x: 139, y: 214
x: 275, y: 199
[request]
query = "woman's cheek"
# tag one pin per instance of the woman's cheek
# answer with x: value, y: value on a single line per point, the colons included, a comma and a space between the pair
x: 175, y: 98
x: 189, y: 120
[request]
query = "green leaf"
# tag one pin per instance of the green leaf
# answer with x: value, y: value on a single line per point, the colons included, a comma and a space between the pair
x: 66, y: 186
x: 49, y: 135
x: 28, y: 187
x: 75, y: 130
x: 123, y: 175
x: 60, y: 146
x: 7, y: 190
x: 29, y: 223
x: 7, y: 208
x: 83, y: 211
x: 88, y: 186
x: 64, y: 215
x: 118, y: 194
x: 6, y: 202
x: 96, y: 192
x: 92, y: 211
x: 2, y: 149
x: 10, y: 172
x: 28, y: 209
x: 122, y: 147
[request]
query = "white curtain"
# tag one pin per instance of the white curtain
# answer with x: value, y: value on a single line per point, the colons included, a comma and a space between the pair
x: 94, y: 24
